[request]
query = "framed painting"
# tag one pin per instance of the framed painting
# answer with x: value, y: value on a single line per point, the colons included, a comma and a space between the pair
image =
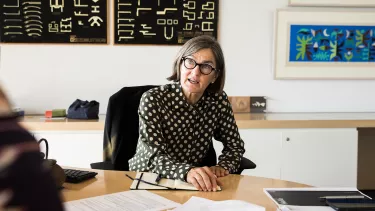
x: 333, y: 3
x: 311, y: 44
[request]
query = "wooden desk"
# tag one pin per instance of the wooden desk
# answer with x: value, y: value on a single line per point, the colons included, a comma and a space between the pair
x: 246, y: 188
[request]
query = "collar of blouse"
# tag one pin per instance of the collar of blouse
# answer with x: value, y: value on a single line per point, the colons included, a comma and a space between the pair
x: 180, y: 101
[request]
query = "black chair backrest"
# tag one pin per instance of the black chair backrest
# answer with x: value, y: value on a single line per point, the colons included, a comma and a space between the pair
x: 121, y: 131
x: 121, y: 125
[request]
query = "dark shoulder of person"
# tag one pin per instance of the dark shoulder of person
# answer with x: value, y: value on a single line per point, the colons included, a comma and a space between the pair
x: 24, y: 181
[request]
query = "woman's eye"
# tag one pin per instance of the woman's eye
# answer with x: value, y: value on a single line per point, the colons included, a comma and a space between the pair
x: 190, y: 61
x: 206, y: 66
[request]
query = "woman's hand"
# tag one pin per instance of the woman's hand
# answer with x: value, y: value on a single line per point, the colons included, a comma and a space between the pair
x: 219, y: 171
x: 202, y: 178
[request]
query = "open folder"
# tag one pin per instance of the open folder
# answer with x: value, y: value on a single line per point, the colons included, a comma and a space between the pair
x: 152, y: 181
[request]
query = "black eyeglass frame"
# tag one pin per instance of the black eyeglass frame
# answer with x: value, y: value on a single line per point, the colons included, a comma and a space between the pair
x: 149, y: 183
x: 199, y: 64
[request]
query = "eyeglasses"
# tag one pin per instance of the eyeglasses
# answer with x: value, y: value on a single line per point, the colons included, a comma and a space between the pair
x: 205, y: 69
x: 149, y: 183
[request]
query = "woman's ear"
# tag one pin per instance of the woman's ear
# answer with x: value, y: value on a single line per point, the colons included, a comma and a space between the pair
x: 214, y: 79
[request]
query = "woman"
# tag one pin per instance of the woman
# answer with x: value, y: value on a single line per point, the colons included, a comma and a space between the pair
x: 179, y: 120
x: 25, y: 184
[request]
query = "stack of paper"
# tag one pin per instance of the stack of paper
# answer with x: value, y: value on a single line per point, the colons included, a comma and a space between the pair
x: 196, y: 203
x: 128, y: 200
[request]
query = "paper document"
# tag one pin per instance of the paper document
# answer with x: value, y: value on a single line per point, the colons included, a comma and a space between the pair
x: 129, y: 200
x: 197, y: 203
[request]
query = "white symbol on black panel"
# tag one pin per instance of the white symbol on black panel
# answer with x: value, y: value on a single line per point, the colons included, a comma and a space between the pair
x: 66, y: 25
x: 125, y: 25
x: 53, y: 27
x: 77, y: 3
x: 95, y: 20
x: 168, y: 24
x: 56, y: 5
x: 12, y: 24
x: 32, y: 12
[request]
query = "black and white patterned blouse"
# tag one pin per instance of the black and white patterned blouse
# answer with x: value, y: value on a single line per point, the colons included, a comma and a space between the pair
x: 175, y: 136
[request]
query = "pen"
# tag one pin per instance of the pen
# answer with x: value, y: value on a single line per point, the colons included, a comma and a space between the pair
x: 342, y: 197
x: 158, y: 178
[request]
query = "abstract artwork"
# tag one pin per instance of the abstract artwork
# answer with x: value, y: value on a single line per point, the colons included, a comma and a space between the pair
x: 54, y: 21
x: 313, y: 44
x: 164, y: 22
x: 333, y: 3
x: 322, y: 43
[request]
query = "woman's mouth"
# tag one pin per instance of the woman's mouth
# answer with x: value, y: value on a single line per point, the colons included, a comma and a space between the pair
x: 193, y: 81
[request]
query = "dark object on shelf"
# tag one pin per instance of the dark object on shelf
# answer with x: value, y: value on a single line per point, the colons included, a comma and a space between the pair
x: 83, y: 110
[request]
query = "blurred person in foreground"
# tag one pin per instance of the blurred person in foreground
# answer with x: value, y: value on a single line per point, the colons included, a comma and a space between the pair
x: 25, y: 183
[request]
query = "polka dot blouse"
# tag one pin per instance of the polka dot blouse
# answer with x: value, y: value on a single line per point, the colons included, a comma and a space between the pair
x: 175, y: 136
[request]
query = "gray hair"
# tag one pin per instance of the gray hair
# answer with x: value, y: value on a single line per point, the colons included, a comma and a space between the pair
x: 194, y: 45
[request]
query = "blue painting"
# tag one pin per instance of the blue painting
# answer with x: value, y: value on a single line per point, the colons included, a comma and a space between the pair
x: 320, y: 43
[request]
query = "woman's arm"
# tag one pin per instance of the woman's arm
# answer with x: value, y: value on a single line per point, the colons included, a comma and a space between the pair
x: 227, y: 133
x: 25, y: 184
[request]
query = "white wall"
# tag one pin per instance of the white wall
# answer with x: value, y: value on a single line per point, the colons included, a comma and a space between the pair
x: 39, y: 77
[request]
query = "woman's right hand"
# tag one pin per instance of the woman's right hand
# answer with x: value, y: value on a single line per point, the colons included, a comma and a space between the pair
x: 202, y: 178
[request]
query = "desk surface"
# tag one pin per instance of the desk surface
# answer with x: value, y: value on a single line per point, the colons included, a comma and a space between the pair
x: 244, y: 121
x: 235, y: 187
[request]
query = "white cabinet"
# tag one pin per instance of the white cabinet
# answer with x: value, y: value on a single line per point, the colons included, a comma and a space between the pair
x: 320, y: 157
x: 263, y: 147
x: 72, y: 148
x: 317, y: 157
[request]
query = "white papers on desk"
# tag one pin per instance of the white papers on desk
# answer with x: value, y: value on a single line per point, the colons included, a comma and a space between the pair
x: 305, y: 208
x: 196, y: 203
x: 128, y: 200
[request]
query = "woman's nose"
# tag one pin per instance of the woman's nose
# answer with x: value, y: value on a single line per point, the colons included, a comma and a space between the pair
x: 196, y: 70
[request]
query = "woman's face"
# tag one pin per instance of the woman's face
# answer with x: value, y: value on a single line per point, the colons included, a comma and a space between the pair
x: 192, y: 80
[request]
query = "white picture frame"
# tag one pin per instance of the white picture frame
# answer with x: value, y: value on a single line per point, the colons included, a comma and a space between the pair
x: 333, y: 3
x: 285, y: 68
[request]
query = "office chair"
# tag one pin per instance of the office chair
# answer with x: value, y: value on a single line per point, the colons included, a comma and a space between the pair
x: 121, y: 132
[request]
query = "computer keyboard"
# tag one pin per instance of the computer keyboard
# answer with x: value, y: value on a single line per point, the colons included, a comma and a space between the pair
x: 76, y: 176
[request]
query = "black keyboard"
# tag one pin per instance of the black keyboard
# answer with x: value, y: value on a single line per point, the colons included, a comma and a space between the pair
x: 76, y: 176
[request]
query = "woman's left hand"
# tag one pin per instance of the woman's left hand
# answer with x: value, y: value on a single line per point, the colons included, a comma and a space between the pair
x: 219, y: 171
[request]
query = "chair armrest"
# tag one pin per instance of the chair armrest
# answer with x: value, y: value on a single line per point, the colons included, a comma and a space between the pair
x: 247, y: 164
x: 106, y: 165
